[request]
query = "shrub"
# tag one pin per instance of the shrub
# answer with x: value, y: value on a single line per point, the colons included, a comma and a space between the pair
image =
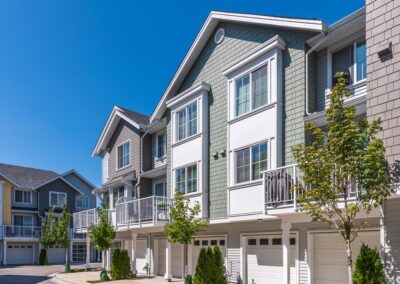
x: 210, y: 267
x: 104, y: 275
x: 43, y: 257
x: 67, y: 268
x: 368, y: 268
x: 120, y: 265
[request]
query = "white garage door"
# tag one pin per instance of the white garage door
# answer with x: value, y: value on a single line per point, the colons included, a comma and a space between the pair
x: 199, y: 243
x: 20, y: 253
x: 264, y: 257
x: 176, y: 259
x: 56, y: 254
x: 141, y: 256
x: 330, y: 264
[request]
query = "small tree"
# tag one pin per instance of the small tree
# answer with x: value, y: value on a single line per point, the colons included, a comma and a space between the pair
x: 62, y: 233
x: 368, y: 268
x: 185, y: 223
x: 219, y: 266
x: 345, y: 174
x: 210, y: 267
x: 47, y: 238
x: 201, y: 275
x: 120, y: 266
x: 102, y: 234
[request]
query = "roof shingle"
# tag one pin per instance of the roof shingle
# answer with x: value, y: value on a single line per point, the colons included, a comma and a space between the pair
x: 135, y: 116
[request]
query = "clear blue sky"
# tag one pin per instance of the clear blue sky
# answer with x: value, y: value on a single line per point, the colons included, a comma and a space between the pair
x: 64, y: 64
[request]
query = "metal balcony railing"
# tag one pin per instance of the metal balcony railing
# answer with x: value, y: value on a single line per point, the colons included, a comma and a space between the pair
x: 84, y: 219
x: 136, y: 212
x: 28, y: 232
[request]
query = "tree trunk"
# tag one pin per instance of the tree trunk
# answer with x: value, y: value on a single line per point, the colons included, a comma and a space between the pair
x: 349, y: 262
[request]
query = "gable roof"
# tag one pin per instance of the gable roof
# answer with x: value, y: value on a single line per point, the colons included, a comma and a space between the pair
x: 37, y: 187
x: 312, y: 25
x: 79, y: 176
x: 135, y: 119
x: 25, y: 177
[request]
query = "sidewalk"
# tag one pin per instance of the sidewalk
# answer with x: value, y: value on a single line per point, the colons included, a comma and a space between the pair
x: 83, y: 277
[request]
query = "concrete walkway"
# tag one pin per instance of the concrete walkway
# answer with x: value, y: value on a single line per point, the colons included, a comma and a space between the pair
x: 83, y: 277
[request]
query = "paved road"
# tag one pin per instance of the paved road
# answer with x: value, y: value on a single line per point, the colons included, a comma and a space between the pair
x: 28, y: 274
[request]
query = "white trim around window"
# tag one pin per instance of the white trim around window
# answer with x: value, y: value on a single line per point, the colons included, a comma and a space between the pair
x: 164, y: 147
x: 59, y: 202
x: 126, y: 155
x: 84, y: 202
x: 189, y: 177
x: 158, y: 182
x: 26, y: 196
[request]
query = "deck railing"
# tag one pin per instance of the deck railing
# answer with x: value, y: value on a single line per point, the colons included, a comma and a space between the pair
x: 84, y: 219
x: 28, y: 232
x: 139, y: 211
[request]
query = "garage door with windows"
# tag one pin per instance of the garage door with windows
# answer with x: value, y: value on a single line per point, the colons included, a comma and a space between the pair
x: 264, y: 259
x: 206, y: 242
x: 20, y: 253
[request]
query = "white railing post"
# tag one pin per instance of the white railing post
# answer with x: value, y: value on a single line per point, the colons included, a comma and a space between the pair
x: 139, y: 213
x: 294, y: 191
x: 154, y: 210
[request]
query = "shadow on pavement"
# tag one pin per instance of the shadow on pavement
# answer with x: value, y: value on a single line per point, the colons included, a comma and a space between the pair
x: 22, y: 279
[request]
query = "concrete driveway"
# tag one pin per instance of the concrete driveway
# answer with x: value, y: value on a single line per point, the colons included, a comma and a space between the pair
x: 28, y: 274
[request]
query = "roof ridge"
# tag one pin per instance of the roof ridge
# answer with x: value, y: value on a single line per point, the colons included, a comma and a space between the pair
x: 127, y: 109
x: 30, y: 168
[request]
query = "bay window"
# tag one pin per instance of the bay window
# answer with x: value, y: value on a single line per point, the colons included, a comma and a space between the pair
x: 124, y: 155
x: 251, y: 91
x: 187, y: 122
x: 186, y: 179
x: 251, y: 162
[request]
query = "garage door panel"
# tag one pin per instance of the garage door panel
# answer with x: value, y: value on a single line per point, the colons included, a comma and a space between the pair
x: 161, y: 257
x: 20, y: 253
x: 56, y: 255
x: 199, y: 243
x: 330, y: 258
x: 141, y: 255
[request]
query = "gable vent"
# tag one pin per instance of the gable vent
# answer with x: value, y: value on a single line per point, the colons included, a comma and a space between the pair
x: 219, y: 36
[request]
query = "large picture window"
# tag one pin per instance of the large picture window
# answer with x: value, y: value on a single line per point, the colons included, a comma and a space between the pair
x: 187, y: 122
x: 23, y: 220
x: 186, y: 179
x: 251, y: 91
x: 57, y: 199
x: 124, y: 155
x: 251, y: 162
x: 22, y: 196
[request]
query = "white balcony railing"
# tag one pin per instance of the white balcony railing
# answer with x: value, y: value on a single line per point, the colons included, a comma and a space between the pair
x: 84, y: 219
x: 153, y: 209
x: 27, y: 232
x: 159, y: 161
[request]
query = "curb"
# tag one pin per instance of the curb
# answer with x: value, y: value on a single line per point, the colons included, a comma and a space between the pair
x: 55, y: 279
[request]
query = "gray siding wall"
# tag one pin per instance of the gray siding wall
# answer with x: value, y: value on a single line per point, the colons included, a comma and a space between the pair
x: 82, y: 186
x: 147, y: 152
x: 240, y: 39
x: 33, y: 204
x: 321, y: 70
x: 58, y: 186
x: 124, y: 132
x: 383, y: 26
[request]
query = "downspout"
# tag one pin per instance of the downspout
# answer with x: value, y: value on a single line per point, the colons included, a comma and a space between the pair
x: 325, y: 34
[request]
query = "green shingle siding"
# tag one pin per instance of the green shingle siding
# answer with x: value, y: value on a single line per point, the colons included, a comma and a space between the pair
x: 240, y: 39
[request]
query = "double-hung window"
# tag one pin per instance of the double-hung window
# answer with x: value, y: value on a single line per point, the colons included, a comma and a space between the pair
x: 124, y: 155
x: 161, y: 145
x: 187, y: 122
x: 251, y: 91
x: 82, y: 202
x: 251, y: 162
x: 186, y: 179
x: 352, y: 60
x: 57, y: 199
x: 22, y: 196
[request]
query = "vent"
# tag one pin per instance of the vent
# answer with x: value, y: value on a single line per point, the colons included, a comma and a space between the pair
x: 219, y: 36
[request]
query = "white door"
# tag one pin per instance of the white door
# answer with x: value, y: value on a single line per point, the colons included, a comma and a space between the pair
x: 264, y: 259
x: 330, y: 264
x: 141, y: 256
x: 56, y: 254
x: 20, y: 253
x: 200, y: 243
x: 176, y: 259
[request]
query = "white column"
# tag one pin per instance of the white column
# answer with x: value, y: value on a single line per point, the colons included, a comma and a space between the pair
x: 134, y: 270
x: 286, y: 251
x: 87, y: 251
x: 168, y: 275
x: 5, y: 252
x: 103, y: 259
x: 1, y: 202
x: 108, y: 259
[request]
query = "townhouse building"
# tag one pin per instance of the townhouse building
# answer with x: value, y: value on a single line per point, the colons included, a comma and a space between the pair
x: 26, y: 195
x: 222, y: 134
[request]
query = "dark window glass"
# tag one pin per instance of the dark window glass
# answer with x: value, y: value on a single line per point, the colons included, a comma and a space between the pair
x: 204, y: 242
x: 276, y: 242
x: 196, y: 243
x: 292, y: 241
x: 263, y: 242
x: 214, y: 242
x: 342, y: 61
x: 251, y: 242
x: 221, y: 242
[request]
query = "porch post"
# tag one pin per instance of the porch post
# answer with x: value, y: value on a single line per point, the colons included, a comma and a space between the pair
x: 87, y: 252
x: 133, y: 243
x: 168, y: 275
x: 190, y: 259
x: 108, y: 259
x: 286, y: 251
x: 5, y: 252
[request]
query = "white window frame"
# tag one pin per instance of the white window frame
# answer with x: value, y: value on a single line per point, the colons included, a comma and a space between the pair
x: 249, y: 73
x: 82, y: 196
x: 165, y: 144
x: 186, y: 178
x: 116, y: 154
x: 185, y: 108
x: 268, y: 142
x: 160, y: 182
x: 23, y: 217
x: 58, y: 198
x: 23, y: 192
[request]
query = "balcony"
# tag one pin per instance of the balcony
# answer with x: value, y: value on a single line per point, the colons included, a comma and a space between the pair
x: 84, y: 219
x: 146, y: 212
x: 25, y: 232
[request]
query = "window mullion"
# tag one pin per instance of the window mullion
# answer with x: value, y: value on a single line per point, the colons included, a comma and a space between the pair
x: 251, y: 90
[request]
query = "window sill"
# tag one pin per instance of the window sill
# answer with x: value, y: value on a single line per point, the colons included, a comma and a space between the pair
x: 245, y: 184
x: 183, y: 141
x: 123, y: 168
x: 253, y: 112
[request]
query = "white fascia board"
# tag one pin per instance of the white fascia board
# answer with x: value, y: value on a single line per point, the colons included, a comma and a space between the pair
x: 109, y: 129
x: 202, y: 86
x: 275, y: 42
x: 212, y: 21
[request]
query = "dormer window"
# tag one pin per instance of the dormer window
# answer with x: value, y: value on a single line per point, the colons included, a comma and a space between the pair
x: 124, y: 155
x: 251, y: 91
